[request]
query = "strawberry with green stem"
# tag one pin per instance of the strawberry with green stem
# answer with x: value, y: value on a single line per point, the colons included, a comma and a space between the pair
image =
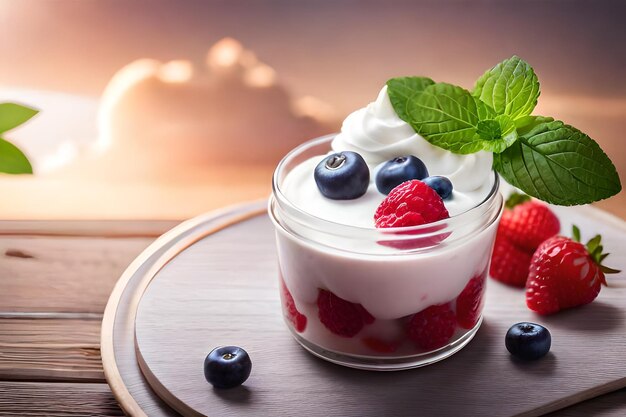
x: 564, y: 273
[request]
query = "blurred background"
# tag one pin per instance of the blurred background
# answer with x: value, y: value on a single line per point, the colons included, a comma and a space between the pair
x: 165, y: 109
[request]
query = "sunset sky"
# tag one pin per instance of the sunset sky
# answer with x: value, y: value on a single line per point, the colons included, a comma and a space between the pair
x: 340, y: 50
x: 336, y: 53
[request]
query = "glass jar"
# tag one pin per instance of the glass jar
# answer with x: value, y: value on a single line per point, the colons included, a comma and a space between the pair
x: 381, y: 299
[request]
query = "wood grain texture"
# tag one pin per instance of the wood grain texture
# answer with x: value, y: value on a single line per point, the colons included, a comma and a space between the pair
x: 62, y: 274
x: 50, y: 350
x: 91, y: 228
x: 56, y: 399
x: 200, y: 300
x: 118, y: 349
x: 608, y: 405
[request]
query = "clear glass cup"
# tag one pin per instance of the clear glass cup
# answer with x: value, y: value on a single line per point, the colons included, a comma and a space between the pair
x: 362, y: 297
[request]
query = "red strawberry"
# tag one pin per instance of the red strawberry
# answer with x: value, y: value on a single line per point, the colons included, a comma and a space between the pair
x: 509, y: 264
x: 469, y: 304
x: 340, y: 316
x: 410, y: 204
x: 565, y: 274
x: 527, y: 222
x: 524, y: 225
x: 432, y: 327
x: 293, y: 315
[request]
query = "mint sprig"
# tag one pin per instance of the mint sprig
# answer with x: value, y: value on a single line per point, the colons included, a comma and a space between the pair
x: 510, y: 88
x: 400, y: 90
x: 497, y: 134
x: 558, y: 164
x: 448, y: 115
x: 546, y: 159
x: 12, y: 159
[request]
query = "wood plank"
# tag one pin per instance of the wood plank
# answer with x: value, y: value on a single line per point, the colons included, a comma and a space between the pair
x: 50, y: 349
x: 56, y: 399
x: 101, y: 228
x: 123, y: 372
x: 198, y: 300
x: 608, y: 405
x: 62, y: 274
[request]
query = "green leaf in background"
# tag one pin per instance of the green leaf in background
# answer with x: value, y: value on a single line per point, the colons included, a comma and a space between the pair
x: 447, y: 116
x: 12, y: 160
x: 13, y: 115
x: 401, y: 89
x: 558, y: 164
x: 510, y: 88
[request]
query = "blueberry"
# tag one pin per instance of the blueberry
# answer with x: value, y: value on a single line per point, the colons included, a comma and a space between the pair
x: 342, y: 176
x: 227, y: 367
x: 398, y: 170
x: 442, y: 185
x: 528, y: 341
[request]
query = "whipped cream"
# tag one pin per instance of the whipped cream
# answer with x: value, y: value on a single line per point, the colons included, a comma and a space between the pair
x: 378, y: 135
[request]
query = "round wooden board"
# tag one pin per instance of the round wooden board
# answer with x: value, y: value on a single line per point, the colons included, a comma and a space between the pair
x: 212, y: 281
x: 119, y: 360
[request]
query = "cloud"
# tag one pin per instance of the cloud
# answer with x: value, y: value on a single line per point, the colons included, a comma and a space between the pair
x: 176, y: 119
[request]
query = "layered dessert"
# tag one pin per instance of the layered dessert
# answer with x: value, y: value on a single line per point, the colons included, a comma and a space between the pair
x: 355, y: 295
x: 385, y: 230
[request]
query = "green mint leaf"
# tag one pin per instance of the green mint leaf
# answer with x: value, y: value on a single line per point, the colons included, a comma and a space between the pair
x: 447, y: 116
x: 12, y: 160
x: 13, y: 115
x: 509, y: 134
x: 558, y: 164
x: 526, y: 123
x: 489, y: 129
x: 497, y: 134
x: 401, y: 89
x: 510, y: 88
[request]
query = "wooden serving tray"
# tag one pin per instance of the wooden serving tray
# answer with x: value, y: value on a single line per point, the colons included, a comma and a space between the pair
x: 213, y: 281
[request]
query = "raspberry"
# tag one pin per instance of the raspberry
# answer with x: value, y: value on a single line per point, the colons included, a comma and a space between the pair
x: 410, y: 204
x: 432, y: 327
x: 297, y: 319
x: 379, y: 345
x: 340, y: 316
x: 469, y: 303
x: 365, y: 315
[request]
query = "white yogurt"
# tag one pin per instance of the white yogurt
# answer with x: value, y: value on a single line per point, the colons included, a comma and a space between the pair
x: 378, y: 135
x: 389, y: 284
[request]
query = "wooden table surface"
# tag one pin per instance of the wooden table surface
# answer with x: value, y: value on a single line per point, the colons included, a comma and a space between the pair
x: 55, y: 279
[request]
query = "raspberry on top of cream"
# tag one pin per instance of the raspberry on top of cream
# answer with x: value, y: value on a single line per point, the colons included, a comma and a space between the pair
x: 378, y: 134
